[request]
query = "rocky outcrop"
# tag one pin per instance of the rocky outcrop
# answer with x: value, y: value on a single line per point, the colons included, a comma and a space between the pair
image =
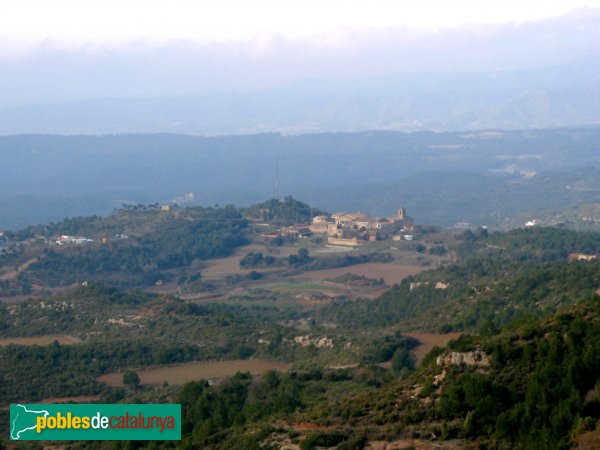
x: 305, y: 341
x: 475, y: 358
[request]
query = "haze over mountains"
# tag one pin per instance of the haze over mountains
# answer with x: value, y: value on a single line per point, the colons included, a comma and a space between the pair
x: 307, y: 105
x: 535, y: 74
x: 486, y: 177
x: 311, y: 225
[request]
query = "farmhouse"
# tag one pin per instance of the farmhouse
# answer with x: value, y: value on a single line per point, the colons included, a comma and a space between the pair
x: 320, y: 224
x: 581, y: 257
x: 533, y: 223
x: 296, y: 231
x: 322, y: 219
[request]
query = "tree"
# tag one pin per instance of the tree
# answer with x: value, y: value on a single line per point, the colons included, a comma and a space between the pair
x: 301, y: 258
x: 131, y: 378
x: 303, y: 255
x: 403, y: 360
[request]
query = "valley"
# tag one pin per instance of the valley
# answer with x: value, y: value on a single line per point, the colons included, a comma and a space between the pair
x: 299, y: 225
x: 369, y: 344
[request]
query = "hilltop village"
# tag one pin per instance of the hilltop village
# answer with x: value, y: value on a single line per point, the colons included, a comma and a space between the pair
x: 167, y: 246
x: 340, y: 228
x: 354, y: 229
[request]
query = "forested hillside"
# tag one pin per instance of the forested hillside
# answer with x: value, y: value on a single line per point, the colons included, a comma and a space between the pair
x: 539, y: 391
x: 136, y: 246
x: 499, y: 278
x: 523, y: 375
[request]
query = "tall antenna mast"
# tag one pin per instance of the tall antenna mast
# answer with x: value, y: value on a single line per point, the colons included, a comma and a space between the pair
x: 311, y: 203
x: 277, y: 178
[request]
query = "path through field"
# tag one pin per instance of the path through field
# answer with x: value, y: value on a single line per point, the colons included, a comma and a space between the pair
x: 12, y: 274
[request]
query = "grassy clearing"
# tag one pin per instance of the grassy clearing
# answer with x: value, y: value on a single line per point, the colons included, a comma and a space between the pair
x: 391, y: 273
x: 306, y: 287
x: 428, y: 341
x: 196, y: 371
x: 221, y: 267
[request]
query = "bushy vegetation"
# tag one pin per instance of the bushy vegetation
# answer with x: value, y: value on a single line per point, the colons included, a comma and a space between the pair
x: 331, y: 262
x: 222, y: 417
x: 543, y: 388
x: 534, y: 243
x: 158, y: 243
x: 489, y: 288
x: 65, y: 370
x: 535, y: 315
x: 288, y: 211
x: 358, y: 280
x: 384, y: 349
x: 257, y: 259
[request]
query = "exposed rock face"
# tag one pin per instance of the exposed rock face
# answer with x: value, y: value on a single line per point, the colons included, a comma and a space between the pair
x: 305, y: 341
x: 438, y: 285
x: 414, y: 286
x: 439, y: 378
x: 475, y: 358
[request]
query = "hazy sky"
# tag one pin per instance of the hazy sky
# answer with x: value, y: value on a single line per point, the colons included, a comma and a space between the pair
x: 26, y: 24
x: 73, y: 50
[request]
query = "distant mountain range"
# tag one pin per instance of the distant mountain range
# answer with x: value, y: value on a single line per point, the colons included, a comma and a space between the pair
x: 533, y: 74
x: 552, y: 97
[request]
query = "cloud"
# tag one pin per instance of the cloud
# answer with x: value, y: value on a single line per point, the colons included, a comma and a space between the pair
x: 110, y: 22
x: 58, y: 71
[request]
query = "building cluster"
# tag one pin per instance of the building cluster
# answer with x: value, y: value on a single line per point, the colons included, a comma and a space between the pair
x: 463, y: 226
x: 355, y: 228
x: 64, y: 240
x: 72, y: 240
x: 533, y: 223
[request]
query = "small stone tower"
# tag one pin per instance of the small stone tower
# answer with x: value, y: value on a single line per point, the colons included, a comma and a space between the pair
x: 401, y: 214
